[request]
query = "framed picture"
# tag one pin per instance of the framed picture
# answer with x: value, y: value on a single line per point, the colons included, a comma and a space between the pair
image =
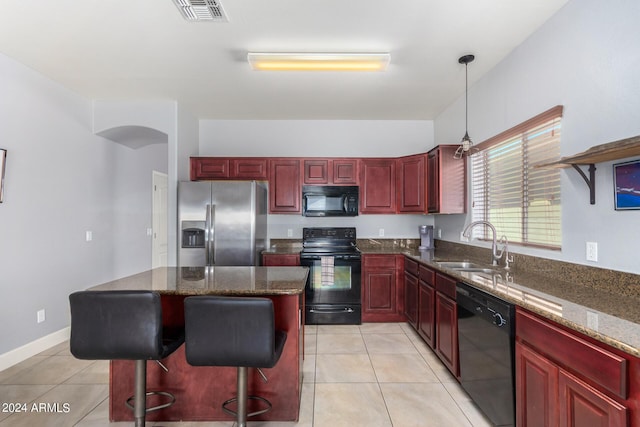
x: 626, y: 181
x: 3, y: 161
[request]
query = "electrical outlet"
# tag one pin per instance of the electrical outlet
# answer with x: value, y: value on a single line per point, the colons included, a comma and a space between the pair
x: 463, y: 238
x: 592, y: 251
x: 439, y: 233
x: 41, y: 316
x: 381, y: 232
x: 289, y: 232
x: 89, y: 236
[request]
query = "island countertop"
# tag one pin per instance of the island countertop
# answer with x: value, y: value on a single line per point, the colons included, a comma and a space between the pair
x: 223, y: 280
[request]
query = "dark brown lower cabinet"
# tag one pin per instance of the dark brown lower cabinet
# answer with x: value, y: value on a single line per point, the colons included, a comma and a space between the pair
x: 583, y: 405
x: 537, y: 389
x: 547, y: 396
x: 411, y: 299
x: 382, y: 292
x: 427, y: 305
x: 447, y: 332
x: 426, y: 314
x: 564, y: 379
x: 291, y: 260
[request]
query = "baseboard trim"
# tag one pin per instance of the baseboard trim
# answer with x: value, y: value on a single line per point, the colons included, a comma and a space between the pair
x: 20, y: 354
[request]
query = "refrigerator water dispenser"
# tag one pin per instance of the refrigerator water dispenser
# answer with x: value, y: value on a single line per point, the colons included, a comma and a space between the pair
x: 193, y: 234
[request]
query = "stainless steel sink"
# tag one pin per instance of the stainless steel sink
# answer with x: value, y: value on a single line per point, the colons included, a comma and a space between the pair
x: 466, y: 266
x: 458, y: 265
x: 477, y: 270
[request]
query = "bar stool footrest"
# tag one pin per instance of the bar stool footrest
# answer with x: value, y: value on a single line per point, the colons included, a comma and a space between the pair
x: 251, y: 414
x: 172, y: 400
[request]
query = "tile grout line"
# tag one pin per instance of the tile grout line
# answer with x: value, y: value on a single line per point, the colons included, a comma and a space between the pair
x: 386, y: 406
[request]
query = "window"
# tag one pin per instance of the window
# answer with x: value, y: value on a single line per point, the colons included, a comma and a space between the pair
x: 521, y: 201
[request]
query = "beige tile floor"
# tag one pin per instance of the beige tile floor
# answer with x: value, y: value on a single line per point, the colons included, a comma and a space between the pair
x: 368, y: 375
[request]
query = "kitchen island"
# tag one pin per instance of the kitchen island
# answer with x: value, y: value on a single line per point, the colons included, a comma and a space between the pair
x: 200, y: 391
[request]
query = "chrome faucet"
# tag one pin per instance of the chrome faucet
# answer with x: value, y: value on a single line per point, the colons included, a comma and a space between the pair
x: 508, y: 258
x: 495, y: 256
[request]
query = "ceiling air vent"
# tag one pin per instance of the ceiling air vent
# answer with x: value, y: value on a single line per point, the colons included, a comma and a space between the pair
x: 201, y: 10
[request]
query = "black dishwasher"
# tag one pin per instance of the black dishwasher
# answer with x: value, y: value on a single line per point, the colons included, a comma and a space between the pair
x: 486, y: 338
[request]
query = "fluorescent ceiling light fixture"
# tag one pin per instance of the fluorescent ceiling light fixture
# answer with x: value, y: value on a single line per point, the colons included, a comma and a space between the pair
x: 318, y: 61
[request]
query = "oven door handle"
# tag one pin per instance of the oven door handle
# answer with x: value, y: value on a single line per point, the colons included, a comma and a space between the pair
x: 331, y: 310
x: 337, y: 257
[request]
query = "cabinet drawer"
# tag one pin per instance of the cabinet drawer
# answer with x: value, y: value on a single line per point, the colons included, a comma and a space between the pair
x: 427, y: 275
x: 411, y: 266
x: 602, y: 367
x: 446, y: 285
x: 379, y: 261
x: 281, y: 259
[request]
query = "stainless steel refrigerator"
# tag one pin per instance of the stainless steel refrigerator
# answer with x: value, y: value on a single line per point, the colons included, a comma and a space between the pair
x: 221, y: 222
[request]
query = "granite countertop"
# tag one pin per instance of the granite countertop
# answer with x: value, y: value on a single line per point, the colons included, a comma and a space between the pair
x: 608, y: 317
x: 599, y: 303
x: 239, y: 281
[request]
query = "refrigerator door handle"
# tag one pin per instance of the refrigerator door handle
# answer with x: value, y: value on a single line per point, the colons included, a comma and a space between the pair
x: 210, y: 235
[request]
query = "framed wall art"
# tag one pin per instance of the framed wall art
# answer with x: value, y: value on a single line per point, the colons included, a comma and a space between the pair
x: 626, y: 182
x: 3, y: 162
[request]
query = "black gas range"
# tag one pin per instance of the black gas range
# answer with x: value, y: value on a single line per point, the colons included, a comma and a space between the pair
x: 333, y: 290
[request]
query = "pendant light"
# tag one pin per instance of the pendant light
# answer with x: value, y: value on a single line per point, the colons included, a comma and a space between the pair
x: 465, y: 144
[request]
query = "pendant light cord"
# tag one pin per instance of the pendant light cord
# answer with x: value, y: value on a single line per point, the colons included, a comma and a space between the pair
x: 466, y: 98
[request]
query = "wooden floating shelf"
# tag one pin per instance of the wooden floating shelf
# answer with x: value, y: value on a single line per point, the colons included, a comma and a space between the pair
x: 616, y: 150
x: 621, y: 149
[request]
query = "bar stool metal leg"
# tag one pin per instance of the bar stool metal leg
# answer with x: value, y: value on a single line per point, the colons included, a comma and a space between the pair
x: 242, y: 396
x: 140, y: 393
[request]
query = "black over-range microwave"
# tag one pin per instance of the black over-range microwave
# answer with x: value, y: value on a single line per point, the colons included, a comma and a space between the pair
x: 329, y: 200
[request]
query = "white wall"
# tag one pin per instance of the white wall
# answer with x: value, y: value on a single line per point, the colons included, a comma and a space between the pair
x: 586, y: 58
x: 174, y: 125
x: 61, y: 181
x: 184, y: 145
x: 315, y: 138
x: 324, y: 138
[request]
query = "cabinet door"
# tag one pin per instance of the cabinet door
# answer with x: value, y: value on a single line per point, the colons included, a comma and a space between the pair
x: 411, y: 298
x: 316, y: 171
x: 536, y: 389
x: 447, y: 181
x: 378, y: 186
x: 433, y: 181
x: 285, y: 191
x: 249, y: 168
x: 412, y: 184
x: 380, y: 289
x: 345, y: 171
x: 209, y: 168
x: 447, y: 332
x: 582, y: 405
x: 281, y: 260
x: 426, y: 313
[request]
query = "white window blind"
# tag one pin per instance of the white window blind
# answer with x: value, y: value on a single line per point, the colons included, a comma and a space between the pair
x: 521, y: 201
